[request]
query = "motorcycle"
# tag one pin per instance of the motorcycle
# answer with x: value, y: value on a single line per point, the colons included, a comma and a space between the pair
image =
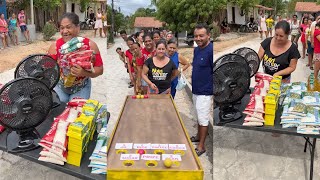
x: 249, y: 27
x: 87, y: 24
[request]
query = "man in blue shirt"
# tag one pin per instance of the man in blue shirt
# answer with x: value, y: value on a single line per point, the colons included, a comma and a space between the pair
x: 202, y: 83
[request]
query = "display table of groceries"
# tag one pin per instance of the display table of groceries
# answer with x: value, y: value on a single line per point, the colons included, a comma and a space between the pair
x: 73, y: 139
x: 291, y: 109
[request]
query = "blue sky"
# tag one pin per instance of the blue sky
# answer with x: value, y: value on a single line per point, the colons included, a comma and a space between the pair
x: 130, y: 6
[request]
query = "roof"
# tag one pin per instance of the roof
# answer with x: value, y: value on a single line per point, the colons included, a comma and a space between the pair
x: 264, y: 7
x: 147, y: 22
x: 307, y: 7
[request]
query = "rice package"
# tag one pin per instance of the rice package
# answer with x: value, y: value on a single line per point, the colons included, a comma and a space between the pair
x: 312, y: 117
x: 311, y: 98
x: 255, y: 104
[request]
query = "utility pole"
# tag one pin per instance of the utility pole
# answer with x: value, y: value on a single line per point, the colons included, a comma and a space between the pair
x: 112, y: 18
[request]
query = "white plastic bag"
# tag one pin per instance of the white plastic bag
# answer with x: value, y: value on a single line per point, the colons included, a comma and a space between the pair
x: 181, y: 83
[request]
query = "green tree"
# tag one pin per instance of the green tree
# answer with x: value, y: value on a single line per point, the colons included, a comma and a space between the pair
x: 47, y: 5
x: 119, y: 19
x: 185, y: 14
x: 278, y: 5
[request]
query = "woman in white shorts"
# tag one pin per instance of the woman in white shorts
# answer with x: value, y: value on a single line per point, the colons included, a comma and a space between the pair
x: 98, y: 24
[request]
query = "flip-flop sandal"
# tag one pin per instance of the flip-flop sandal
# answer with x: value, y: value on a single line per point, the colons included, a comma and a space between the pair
x: 199, y: 153
x: 194, y: 139
x: 307, y: 65
x: 311, y: 68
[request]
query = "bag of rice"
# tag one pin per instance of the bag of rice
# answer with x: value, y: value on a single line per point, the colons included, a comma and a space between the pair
x: 255, y: 104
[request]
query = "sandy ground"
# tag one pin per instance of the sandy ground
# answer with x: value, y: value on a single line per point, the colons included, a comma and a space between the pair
x: 10, y: 57
x: 222, y: 44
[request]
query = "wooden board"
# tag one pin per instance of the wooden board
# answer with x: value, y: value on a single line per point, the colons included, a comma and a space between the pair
x: 154, y: 120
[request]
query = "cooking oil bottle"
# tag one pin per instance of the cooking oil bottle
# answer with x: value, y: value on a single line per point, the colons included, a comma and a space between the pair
x: 311, y: 82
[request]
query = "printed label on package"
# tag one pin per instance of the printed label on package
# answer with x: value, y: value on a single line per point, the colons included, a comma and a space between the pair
x: 173, y: 157
x: 159, y: 146
x: 151, y: 157
x: 134, y: 157
x: 124, y: 145
x: 141, y: 146
x: 177, y: 147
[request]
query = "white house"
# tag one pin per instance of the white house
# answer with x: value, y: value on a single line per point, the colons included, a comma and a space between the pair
x: 75, y: 8
x: 235, y: 15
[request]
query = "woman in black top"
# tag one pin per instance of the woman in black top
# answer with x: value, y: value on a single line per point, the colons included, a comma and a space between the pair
x: 278, y: 54
x: 159, y: 71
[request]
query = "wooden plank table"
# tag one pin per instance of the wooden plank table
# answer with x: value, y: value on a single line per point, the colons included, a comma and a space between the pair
x: 153, y: 120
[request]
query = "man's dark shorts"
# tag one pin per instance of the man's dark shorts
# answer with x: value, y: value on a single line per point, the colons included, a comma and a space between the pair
x: 23, y: 28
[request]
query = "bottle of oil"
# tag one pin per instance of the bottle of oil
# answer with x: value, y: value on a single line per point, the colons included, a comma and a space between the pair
x: 69, y: 80
x: 311, y: 82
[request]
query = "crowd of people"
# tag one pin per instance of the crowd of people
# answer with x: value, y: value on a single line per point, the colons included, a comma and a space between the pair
x: 9, y: 29
x: 154, y: 64
x: 155, y: 47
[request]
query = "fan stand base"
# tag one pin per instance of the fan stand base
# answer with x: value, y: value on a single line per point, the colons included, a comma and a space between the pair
x: 228, y: 114
x: 18, y: 142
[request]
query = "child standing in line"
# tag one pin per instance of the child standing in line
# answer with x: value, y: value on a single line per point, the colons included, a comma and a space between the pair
x: 308, y: 44
x: 316, y: 55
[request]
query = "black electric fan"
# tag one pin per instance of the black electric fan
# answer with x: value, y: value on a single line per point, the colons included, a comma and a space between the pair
x: 42, y: 67
x: 24, y: 104
x: 252, y: 58
x: 231, y: 81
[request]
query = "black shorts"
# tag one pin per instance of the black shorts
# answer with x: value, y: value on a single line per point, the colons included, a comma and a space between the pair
x: 23, y: 28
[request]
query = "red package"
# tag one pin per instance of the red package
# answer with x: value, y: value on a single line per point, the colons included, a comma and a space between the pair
x: 53, y: 152
x: 77, y: 102
x: 2, y: 128
x: 64, y: 115
x: 255, y: 104
x: 263, y: 84
x: 52, y: 138
x: 253, y: 114
x: 262, y: 76
x: 261, y: 92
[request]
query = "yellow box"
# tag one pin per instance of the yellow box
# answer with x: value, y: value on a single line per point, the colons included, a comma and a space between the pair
x: 270, y: 111
x: 87, y: 120
x: 270, y: 106
x: 271, y: 99
x: 91, y: 105
x: 74, y: 158
x: 78, y: 128
x: 78, y: 142
x: 269, y: 120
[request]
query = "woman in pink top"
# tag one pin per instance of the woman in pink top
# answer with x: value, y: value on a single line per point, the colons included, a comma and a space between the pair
x: 4, y: 31
x: 303, y: 28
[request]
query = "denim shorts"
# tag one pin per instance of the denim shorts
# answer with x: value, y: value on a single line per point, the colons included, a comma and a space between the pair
x: 310, y: 48
x: 83, y: 93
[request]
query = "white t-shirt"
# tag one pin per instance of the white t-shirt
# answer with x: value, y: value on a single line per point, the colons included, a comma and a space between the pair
x: 313, y: 24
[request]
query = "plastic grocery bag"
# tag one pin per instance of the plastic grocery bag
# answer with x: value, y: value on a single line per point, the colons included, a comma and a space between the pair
x: 181, y: 83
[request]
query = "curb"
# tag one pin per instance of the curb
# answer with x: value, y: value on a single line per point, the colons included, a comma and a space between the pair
x: 188, y: 89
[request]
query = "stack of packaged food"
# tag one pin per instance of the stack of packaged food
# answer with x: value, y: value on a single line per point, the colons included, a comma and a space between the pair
x: 98, y: 159
x: 71, y: 132
x: 271, y: 100
x: 255, y: 109
x: 55, y: 142
x: 301, y: 109
x: 75, y: 52
x: 81, y: 131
